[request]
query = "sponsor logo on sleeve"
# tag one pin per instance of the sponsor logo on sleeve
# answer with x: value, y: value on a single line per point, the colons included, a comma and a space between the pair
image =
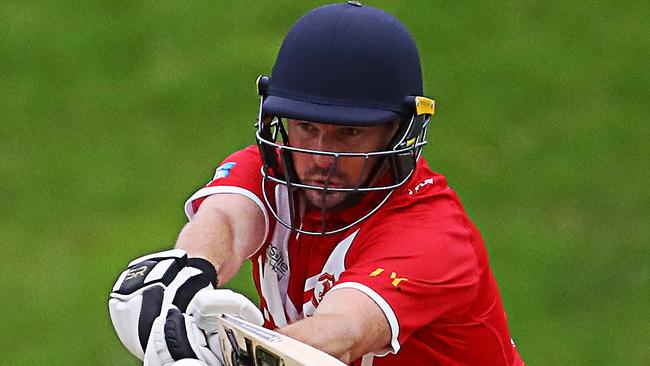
x: 395, y: 280
x: 223, y: 171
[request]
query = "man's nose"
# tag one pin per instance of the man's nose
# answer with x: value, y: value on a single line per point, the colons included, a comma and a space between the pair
x: 323, y: 161
x: 323, y: 143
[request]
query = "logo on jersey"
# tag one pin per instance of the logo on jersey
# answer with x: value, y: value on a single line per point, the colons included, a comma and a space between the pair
x: 319, y: 284
x: 325, y: 283
x: 421, y: 185
x: 223, y: 171
x: 395, y: 280
x: 275, y: 259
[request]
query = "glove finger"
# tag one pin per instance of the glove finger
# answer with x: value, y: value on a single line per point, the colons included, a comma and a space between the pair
x: 183, y: 339
x: 214, y: 345
x: 152, y: 302
x: 123, y: 318
x: 176, y: 336
x: 156, y: 353
x: 249, y: 311
x: 207, y: 306
x: 207, y: 354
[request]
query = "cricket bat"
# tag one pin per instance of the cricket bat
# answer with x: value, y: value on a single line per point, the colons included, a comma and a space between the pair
x: 246, y: 344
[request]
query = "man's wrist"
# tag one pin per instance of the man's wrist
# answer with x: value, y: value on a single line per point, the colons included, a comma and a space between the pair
x: 206, y: 267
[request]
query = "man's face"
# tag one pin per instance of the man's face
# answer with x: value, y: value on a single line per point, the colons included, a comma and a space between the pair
x: 348, y: 172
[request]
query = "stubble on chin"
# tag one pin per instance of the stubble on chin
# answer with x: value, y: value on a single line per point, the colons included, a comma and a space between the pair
x: 332, y: 200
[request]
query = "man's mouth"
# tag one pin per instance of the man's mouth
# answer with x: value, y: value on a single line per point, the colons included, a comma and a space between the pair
x: 322, y: 183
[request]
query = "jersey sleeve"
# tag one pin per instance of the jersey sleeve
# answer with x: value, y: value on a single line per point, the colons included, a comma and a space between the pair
x: 415, y: 275
x: 239, y: 174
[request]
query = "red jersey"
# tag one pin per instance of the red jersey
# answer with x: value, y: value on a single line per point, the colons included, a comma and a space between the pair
x: 418, y: 257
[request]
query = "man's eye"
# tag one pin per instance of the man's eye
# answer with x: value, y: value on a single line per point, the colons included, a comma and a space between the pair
x: 350, y: 131
x: 307, y: 127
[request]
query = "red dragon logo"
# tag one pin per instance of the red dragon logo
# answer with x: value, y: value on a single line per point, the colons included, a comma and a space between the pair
x: 327, y: 281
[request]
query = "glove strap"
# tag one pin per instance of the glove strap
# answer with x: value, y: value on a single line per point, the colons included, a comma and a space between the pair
x: 206, y: 267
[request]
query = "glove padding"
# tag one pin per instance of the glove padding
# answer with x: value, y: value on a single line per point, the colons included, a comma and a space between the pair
x: 177, y: 336
x: 207, y: 306
x: 189, y: 362
x: 148, y: 285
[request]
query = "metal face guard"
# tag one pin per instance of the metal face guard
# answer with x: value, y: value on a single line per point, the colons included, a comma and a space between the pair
x: 278, y: 163
x: 278, y: 169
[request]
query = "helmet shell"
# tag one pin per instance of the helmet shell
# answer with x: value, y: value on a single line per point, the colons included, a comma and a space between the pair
x: 344, y: 64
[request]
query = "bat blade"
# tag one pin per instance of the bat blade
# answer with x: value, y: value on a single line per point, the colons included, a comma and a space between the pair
x: 246, y: 344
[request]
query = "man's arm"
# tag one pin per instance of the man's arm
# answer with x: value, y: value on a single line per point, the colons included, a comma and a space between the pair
x: 347, y: 324
x: 226, y: 229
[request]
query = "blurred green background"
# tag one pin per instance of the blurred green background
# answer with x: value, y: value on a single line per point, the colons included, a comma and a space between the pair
x: 114, y: 112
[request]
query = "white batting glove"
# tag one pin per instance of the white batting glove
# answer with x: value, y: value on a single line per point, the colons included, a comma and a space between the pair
x: 208, y: 305
x: 148, y: 285
x: 177, y: 336
x: 189, y: 362
x: 175, y: 339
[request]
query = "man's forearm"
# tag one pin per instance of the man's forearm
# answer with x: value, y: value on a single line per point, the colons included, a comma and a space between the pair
x: 347, y: 324
x: 323, y: 332
x: 209, y: 235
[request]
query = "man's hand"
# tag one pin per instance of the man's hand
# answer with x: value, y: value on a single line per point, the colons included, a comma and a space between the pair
x: 148, y: 285
x: 207, y: 306
x: 177, y: 336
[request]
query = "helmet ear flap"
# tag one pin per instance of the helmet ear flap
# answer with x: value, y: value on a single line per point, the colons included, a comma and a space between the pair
x: 276, y: 163
x: 265, y: 130
x: 267, y: 151
x: 410, y: 136
x: 262, y: 84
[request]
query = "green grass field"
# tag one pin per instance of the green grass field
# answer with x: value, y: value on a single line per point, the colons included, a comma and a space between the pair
x: 113, y: 113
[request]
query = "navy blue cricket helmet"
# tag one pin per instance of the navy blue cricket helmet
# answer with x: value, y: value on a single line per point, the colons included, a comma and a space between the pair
x: 344, y: 64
